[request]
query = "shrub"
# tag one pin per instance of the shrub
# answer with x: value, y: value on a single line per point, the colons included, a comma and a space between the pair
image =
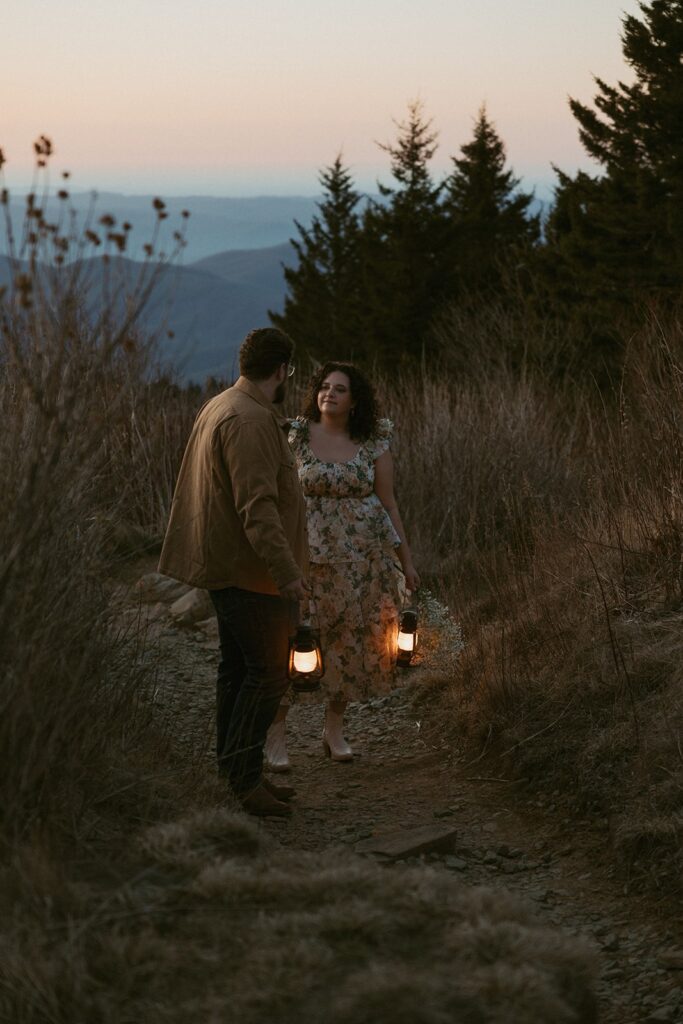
x: 70, y: 368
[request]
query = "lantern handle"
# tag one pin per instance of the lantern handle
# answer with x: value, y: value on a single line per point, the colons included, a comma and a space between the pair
x: 313, y: 614
x: 409, y: 601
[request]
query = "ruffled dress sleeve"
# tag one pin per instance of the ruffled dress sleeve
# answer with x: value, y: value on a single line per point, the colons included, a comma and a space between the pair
x: 381, y: 439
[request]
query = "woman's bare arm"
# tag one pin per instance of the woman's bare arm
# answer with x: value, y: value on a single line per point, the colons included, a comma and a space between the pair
x: 384, y: 489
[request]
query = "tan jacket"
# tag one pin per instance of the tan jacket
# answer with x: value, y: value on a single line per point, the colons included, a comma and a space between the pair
x: 238, y: 517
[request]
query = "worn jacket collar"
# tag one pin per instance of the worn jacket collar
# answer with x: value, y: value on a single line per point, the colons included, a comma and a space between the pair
x: 251, y: 389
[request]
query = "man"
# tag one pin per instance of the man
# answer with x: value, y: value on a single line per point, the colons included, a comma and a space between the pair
x: 238, y: 529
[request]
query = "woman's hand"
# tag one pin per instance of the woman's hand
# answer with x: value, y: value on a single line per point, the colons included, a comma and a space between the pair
x: 412, y: 577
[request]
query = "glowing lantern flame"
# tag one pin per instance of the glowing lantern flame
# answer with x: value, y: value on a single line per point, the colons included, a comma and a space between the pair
x: 406, y: 641
x: 407, y: 637
x: 306, y: 667
x: 305, y: 661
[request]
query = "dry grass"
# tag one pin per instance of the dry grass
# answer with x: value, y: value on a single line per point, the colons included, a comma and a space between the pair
x: 549, y: 515
x: 149, y: 420
x: 564, y: 557
x: 71, y: 683
x: 478, y: 464
x: 553, y: 526
x: 219, y: 924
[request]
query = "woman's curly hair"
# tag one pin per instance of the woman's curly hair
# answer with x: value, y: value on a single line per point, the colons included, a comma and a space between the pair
x: 364, y: 415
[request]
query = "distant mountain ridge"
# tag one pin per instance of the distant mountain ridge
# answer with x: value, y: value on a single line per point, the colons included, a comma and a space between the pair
x: 254, y: 267
x: 209, y: 305
x: 215, y: 224
x: 226, y: 282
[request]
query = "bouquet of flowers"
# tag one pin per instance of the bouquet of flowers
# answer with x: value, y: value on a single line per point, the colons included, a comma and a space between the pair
x: 440, y: 636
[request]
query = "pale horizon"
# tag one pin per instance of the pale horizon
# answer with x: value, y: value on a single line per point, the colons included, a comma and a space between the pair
x: 241, y: 101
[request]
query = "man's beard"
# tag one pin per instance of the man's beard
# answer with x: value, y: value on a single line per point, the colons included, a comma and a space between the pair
x: 280, y: 393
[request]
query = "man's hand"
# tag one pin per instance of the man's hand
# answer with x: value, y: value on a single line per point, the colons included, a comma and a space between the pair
x: 297, y: 590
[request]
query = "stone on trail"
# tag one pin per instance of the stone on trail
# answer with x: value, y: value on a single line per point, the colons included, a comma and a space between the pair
x: 410, y: 843
x: 455, y: 863
x: 193, y: 607
x: 158, y: 611
x: 209, y: 628
x: 208, y: 633
x: 154, y: 586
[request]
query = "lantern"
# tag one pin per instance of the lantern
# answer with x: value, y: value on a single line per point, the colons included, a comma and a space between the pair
x: 407, y: 637
x: 306, y: 666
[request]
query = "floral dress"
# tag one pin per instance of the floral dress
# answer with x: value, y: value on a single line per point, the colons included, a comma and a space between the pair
x: 357, y: 587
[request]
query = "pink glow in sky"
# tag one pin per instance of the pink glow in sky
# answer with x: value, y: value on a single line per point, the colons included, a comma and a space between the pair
x: 245, y: 97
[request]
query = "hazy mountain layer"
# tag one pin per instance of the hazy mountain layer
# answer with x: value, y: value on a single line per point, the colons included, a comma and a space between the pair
x: 215, y: 224
x: 209, y: 306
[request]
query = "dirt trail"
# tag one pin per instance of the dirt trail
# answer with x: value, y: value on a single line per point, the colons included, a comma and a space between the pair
x: 404, y: 775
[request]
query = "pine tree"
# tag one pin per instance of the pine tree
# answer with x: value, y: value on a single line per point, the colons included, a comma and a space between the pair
x: 618, y: 237
x: 488, y: 217
x: 401, y: 243
x: 321, y: 309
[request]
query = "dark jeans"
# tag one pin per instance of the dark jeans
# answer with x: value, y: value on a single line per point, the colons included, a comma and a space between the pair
x: 254, y: 631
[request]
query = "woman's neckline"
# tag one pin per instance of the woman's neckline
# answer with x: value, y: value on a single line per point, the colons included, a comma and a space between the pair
x: 337, y: 462
x: 328, y: 462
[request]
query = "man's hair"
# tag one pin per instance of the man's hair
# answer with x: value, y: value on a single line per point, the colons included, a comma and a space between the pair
x: 263, y: 350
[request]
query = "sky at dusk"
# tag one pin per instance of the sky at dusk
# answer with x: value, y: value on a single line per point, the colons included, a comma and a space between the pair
x: 249, y: 97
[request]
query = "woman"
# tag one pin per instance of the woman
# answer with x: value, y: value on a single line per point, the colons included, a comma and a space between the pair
x: 355, y: 532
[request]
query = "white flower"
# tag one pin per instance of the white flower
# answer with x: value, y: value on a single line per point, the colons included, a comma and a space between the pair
x: 440, y: 636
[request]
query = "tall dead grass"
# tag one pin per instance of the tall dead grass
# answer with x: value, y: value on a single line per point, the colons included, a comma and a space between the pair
x: 148, y: 420
x: 564, y: 571
x: 548, y: 514
x: 68, y: 376
x: 478, y: 463
x: 553, y: 522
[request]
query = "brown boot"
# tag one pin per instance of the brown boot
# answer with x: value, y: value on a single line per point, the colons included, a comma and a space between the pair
x: 279, y: 792
x: 261, y: 802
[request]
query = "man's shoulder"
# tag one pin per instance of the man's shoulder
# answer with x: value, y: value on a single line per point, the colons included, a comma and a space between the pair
x: 235, y: 406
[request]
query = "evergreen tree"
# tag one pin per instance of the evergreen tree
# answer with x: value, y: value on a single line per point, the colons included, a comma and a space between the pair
x: 618, y: 237
x: 322, y: 306
x: 488, y: 217
x: 401, y: 246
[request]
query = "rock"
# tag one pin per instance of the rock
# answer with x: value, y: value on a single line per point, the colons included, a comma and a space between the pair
x: 455, y: 863
x: 410, y: 843
x: 192, y: 607
x: 157, y: 611
x: 209, y: 627
x: 154, y: 586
